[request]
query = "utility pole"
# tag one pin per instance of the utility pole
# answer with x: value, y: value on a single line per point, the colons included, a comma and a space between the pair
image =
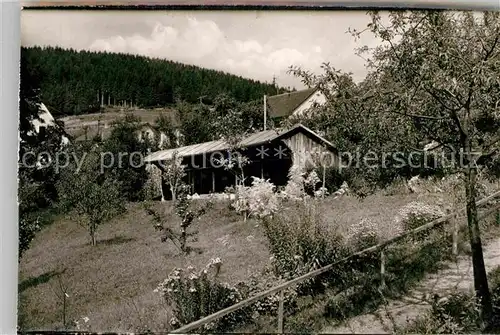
x: 265, y: 111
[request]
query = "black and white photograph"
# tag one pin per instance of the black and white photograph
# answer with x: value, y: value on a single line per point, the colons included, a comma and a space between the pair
x: 259, y: 171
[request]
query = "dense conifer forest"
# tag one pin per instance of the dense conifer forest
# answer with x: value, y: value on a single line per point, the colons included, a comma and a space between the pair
x: 76, y: 82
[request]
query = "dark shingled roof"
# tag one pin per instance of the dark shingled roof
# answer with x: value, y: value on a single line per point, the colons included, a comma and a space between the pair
x: 261, y: 137
x: 283, y: 105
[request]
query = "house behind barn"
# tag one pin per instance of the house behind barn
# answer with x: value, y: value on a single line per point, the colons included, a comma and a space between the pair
x: 271, y: 153
x: 298, y: 103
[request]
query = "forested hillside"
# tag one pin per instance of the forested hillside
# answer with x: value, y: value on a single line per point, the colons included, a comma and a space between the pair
x: 73, y: 82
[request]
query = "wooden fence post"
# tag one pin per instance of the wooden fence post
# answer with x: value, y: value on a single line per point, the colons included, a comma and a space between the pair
x: 280, y: 313
x: 382, y: 268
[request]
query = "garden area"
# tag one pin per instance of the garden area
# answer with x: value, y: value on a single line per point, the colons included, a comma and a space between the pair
x: 136, y: 279
x: 99, y: 250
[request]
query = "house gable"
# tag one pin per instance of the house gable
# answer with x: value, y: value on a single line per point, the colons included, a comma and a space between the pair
x: 294, y: 103
x: 316, y: 98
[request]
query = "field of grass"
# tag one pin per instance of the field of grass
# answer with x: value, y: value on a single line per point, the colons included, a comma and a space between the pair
x: 75, y: 124
x: 112, y: 283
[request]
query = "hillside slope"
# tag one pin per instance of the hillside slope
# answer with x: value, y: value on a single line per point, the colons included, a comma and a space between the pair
x: 74, y: 82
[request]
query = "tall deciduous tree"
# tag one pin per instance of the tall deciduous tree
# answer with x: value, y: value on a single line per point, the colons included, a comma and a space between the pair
x: 435, y: 76
x: 125, y: 151
x: 441, y: 69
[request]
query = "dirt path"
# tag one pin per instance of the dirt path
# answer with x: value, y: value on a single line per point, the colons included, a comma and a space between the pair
x: 457, y: 276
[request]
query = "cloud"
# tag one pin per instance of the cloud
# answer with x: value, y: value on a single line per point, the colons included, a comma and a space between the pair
x: 256, y: 45
x: 201, y: 42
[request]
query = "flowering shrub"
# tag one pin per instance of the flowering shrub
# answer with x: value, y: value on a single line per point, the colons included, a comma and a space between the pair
x: 321, y: 192
x: 311, y: 181
x: 258, y: 200
x: 294, y: 189
x: 363, y: 234
x: 261, y: 198
x: 416, y: 214
x: 269, y: 305
x: 240, y: 203
x: 302, y: 185
x: 174, y: 171
x: 195, y: 294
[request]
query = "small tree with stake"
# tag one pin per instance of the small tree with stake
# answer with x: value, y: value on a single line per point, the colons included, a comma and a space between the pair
x: 187, y: 214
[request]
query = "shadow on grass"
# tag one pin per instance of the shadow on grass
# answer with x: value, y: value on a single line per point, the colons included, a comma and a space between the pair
x: 35, y: 281
x: 116, y: 240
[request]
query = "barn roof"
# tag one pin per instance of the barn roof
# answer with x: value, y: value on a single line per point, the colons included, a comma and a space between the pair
x: 261, y: 137
x: 284, y: 104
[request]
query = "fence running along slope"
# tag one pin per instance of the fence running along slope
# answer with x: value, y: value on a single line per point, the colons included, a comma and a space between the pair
x: 280, y: 288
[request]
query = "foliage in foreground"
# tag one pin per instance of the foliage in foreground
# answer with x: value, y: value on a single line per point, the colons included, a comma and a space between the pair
x: 194, y: 294
x: 458, y: 313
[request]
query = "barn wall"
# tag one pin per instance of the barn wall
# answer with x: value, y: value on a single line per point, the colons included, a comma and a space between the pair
x: 303, y: 149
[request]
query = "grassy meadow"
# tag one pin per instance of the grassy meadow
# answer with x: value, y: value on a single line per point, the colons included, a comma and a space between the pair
x: 112, y: 283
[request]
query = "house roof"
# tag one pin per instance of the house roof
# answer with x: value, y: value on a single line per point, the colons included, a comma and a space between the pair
x: 45, y: 119
x: 284, y: 104
x: 261, y: 137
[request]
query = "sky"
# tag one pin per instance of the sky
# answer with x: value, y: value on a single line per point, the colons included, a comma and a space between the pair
x: 254, y: 44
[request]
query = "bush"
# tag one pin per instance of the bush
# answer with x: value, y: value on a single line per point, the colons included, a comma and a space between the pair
x: 416, y: 214
x: 268, y: 305
x: 458, y: 313
x: 302, y: 184
x: 406, y: 262
x: 362, y: 235
x: 300, y: 242
x: 262, y: 200
x: 258, y: 200
x: 28, y: 227
x: 295, y: 188
x: 195, y: 294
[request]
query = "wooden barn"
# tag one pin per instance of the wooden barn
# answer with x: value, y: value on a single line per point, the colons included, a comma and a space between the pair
x: 271, y: 154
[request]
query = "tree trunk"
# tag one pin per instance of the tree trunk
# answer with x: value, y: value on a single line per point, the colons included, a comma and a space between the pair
x: 480, y: 277
x: 173, y: 190
x: 161, y: 188
x: 324, y: 181
x: 183, y: 239
x: 92, y: 234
